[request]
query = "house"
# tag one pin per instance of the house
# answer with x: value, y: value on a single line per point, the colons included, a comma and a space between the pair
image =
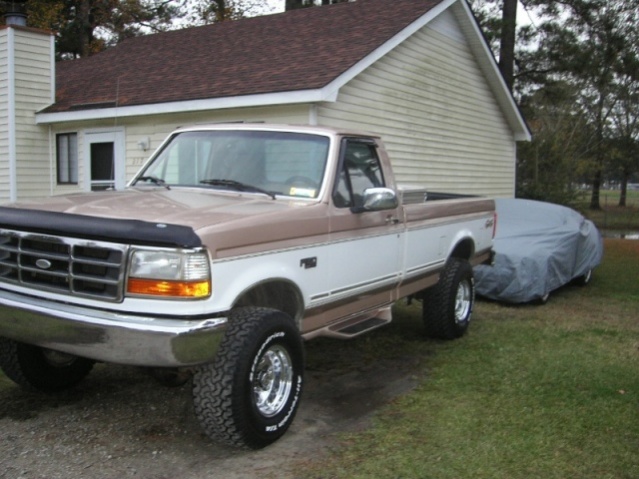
x: 417, y: 72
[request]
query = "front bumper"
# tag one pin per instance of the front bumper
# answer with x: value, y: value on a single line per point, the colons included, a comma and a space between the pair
x: 108, y: 335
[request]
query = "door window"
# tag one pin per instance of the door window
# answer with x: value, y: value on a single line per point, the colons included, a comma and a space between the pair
x: 102, y: 166
x: 359, y: 171
x: 104, y: 154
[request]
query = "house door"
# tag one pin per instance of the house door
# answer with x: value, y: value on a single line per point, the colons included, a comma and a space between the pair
x: 104, y: 155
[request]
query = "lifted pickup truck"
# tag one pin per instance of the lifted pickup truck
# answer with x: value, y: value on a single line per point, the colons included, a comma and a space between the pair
x: 231, y: 246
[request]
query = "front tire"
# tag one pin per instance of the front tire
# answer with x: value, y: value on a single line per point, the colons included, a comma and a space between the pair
x: 449, y: 304
x: 249, y: 396
x: 33, y: 367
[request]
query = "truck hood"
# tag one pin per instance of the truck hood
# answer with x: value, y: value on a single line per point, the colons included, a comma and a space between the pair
x: 187, y: 207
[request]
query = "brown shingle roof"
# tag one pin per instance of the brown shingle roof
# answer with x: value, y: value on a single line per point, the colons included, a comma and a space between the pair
x: 298, y: 50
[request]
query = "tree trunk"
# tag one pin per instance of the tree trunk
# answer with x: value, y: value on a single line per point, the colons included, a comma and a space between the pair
x: 84, y: 28
x: 507, y: 45
x: 220, y: 10
x: 596, y: 187
x: 293, y: 4
x: 600, y: 155
x: 624, y: 187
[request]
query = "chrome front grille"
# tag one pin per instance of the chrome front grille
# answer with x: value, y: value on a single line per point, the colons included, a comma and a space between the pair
x: 63, y: 265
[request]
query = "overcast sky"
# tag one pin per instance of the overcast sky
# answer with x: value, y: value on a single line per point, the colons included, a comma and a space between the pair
x: 276, y: 6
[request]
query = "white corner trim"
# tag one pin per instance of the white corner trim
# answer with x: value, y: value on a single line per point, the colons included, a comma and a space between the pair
x: 245, y: 101
x: 52, y: 66
x: 53, y: 167
x: 11, y: 114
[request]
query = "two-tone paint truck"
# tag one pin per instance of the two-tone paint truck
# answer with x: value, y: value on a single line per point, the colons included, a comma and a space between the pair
x: 232, y: 246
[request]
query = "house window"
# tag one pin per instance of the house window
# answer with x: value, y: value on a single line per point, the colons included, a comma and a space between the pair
x: 67, y: 158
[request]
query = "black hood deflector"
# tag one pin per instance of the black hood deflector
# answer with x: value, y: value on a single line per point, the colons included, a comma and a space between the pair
x: 100, y: 229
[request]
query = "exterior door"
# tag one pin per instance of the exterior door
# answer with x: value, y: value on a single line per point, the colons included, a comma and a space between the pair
x: 371, y: 240
x: 104, y: 160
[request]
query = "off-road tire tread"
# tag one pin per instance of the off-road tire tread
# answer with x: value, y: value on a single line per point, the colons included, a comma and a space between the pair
x: 214, y: 395
x: 24, y: 365
x: 10, y: 365
x: 439, y: 302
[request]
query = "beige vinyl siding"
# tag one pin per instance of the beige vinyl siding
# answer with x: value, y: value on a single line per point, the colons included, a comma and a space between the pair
x: 33, y: 73
x: 156, y: 128
x: 431, y: 104
x: 4, y: 118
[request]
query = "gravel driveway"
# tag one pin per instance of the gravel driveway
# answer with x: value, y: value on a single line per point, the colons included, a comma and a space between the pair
x: 121, y: 423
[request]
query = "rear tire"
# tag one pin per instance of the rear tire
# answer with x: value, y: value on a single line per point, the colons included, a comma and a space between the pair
x: 584, y: 279
x: 249, y: 396
x: 544, y: 299
x: 33, y: 367
x: 449, y: 304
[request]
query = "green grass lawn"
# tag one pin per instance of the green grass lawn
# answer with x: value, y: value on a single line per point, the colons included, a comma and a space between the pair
x: 531, y: 392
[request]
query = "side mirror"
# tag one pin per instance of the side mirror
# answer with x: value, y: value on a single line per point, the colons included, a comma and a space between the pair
x: 377, y: 199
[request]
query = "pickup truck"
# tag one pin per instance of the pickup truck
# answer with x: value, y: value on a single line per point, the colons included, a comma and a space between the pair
x: 232, y: 246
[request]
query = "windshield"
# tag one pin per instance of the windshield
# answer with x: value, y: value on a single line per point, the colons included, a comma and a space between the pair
x: 275, y: 163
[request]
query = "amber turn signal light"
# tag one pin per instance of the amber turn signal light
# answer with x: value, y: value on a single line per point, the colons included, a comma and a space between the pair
x: 175, y: 289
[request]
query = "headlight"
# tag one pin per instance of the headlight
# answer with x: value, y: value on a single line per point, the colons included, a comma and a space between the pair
x: 180, y: 274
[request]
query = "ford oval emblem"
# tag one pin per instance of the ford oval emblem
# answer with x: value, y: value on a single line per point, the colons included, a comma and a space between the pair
x: 43, y: 263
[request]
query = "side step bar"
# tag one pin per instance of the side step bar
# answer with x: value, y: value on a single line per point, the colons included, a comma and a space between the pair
x: 362, y: 327
x: 355, y: 326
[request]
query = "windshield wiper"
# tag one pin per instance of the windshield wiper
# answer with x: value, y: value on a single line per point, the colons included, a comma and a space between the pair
x: 155, y: 180
x: 236, y: 185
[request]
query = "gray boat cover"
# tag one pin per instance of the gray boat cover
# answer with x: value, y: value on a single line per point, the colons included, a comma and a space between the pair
x: 539, y: 247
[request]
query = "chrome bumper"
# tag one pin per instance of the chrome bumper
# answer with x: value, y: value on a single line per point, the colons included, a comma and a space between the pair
x: 107, y: 335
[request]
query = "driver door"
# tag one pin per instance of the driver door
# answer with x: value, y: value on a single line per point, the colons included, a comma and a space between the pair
x: 365, y: 245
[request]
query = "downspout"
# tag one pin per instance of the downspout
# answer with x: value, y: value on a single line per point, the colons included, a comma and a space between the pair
x: 11, y: 114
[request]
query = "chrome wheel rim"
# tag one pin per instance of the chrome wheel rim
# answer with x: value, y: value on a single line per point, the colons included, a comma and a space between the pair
x: 272, y: 381
x: 463, y: 302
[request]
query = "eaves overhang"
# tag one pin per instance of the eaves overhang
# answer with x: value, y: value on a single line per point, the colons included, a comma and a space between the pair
x: 245, y: 101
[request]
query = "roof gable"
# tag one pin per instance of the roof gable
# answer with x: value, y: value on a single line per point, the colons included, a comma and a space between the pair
x: 303, y: 49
